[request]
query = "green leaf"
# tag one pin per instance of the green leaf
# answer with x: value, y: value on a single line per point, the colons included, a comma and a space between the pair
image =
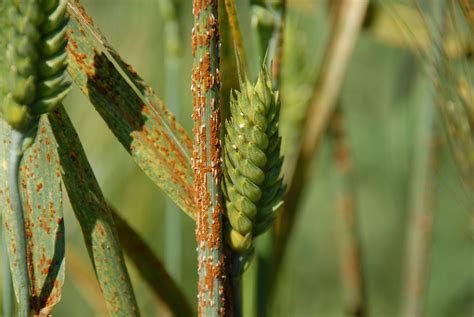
x: 94, y: 217
x: 42, y: 199
x: 137, y: 117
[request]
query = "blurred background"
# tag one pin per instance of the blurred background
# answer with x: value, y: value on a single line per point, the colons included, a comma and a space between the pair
x: 382, y: 100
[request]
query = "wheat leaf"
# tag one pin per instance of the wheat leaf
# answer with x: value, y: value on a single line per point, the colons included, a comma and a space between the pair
x: 137, y: 117
x: 42, y: 197
x: 94, y: 217
x: 93, y: 212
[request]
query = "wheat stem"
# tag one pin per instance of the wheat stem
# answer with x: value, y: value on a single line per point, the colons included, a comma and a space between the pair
x: 212, y: 290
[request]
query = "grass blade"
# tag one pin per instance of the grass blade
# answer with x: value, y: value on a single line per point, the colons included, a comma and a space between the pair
x: 95, y: 219
x: 139, y: 120
x: 42, y: 200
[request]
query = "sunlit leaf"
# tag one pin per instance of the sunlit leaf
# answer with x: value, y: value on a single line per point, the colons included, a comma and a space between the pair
x: 137, y: 117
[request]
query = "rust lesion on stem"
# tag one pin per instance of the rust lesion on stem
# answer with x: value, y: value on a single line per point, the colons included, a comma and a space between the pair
x: 207, y: 160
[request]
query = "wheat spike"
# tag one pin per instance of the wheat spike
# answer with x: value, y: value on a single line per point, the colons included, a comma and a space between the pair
x: 36, y: 57
x: 253, y: 185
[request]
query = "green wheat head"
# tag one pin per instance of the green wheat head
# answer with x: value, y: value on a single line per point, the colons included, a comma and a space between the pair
x: 253, y: 185
x: 36, y: 60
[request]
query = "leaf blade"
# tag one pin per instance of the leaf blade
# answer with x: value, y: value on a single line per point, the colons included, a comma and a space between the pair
x: 42, y: 196
x: 137, y: 117
x: 94, y: 217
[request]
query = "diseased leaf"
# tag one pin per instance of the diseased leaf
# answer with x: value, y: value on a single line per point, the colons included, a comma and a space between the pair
x: 94, y: 217
x: 42, y: 201
x: 88, y: 203
x: 137, y: 117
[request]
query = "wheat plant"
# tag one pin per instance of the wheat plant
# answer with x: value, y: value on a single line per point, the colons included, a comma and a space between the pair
x: 306, y: 156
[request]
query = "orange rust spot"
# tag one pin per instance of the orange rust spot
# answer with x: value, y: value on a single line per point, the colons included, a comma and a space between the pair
x: 45, y: 271
x: 82, y: 12
x: 39, y: 186
x: 101, y: 229
x: 78, y: 57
